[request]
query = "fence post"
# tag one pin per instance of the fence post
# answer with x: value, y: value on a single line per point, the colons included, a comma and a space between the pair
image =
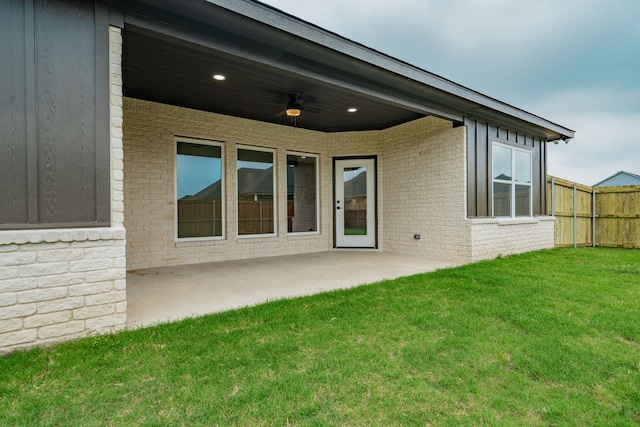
x: 594, y: 217
x: 575, y: 216
x: 553, y: 196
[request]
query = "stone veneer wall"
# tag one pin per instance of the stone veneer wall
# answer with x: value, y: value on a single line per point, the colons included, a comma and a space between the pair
x: 493, y: 237
x: 61, y: 284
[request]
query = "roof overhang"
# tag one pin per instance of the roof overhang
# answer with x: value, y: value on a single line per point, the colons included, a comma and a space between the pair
x: 171, y: 49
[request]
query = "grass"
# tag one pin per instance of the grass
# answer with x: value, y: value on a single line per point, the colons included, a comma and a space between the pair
x: 355, y: 231
x: 546, y: 338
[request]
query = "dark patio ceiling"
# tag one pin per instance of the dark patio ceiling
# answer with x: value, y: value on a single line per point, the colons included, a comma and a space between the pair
x: 171, y: 71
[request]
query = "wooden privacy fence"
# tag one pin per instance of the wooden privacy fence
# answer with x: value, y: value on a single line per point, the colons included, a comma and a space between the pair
x: 199, y: 217
x: 588, y: 216
x: 203, y: 217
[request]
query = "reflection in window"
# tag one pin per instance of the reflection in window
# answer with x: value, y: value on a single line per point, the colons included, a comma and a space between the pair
x: 199, y: 190
x: 523, y: 166
x: 512, y: 195
x: 256, y: 194
x: 523, y: 200
x: 302, y: 198
x: 501, y: 199
x: 355, y: 201
x: 502, y: 163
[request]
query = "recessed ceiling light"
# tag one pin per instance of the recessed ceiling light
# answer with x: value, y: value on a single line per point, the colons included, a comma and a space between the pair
x: 219, y: 77
x: 352, y: 110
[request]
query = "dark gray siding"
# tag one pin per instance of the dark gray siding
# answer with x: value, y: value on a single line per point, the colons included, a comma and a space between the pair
x: 54, y: 114
x: 13, y: 104
x: 480, y: 136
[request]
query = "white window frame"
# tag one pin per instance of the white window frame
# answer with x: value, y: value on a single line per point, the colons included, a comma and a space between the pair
x: 317, y: 157
x: 275, y: 192
x: 513, y: 181
x: 223, y: 210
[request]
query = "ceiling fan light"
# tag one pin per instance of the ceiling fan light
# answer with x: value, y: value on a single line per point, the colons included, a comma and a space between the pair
x: 293, y: 112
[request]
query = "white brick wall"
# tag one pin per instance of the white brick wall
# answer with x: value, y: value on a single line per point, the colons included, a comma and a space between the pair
x: 115, y: 102
x: 70, y: 285
x: 149, y: 157
x: 424, y: 189
x: 61, y: 284
x: 426, y: 196
x: 493, y: 237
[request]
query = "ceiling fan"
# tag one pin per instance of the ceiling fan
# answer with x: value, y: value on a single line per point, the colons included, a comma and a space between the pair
x: 295, y: 105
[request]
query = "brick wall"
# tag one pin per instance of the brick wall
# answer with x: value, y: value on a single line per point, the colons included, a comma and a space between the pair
x: 149, y: 161
x: 61, y: 284
x: 421, y: 185
x: 492, y: 237
x: 424, y: 189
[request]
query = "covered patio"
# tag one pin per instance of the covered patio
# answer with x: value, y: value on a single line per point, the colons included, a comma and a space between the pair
x: 164, y: 294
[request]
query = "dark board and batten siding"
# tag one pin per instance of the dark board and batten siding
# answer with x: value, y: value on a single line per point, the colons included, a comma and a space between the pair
x: 54, y: 114
x: 480, y: 137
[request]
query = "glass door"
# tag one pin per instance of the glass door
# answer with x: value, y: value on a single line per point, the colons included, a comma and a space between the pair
x: 355, y: 216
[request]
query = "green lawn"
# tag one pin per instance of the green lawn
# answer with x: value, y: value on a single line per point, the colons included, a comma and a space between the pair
x: 355, y: 231
x: 546, y: 338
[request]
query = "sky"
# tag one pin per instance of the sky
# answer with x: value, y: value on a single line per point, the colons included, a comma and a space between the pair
x: 573, y: 62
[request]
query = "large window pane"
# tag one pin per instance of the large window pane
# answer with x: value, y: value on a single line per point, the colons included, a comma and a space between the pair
x: 501, y: 199
x: 301, y: 194
x: 523, y: 166
x: 355, y: 201
x: 256, y: 194
x: 523, y: 200
x: 502, y: 163
x: 199, y: 190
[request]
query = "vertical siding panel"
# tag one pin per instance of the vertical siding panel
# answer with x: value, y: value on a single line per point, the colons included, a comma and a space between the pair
x: 13, y: 121
x: 46, y: 117
x: 536, y: 181
x: 65, y: 78
x: 543, y: 172
x: 483, y: 169
x: 32, y: 130
x: 472, y: 209
x: 102, y: 136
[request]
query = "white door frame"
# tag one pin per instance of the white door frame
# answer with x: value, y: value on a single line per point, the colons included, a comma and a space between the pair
x: 342, y: 240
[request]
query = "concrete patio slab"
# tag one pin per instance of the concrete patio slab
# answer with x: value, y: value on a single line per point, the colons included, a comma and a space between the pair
x: 171, y: 293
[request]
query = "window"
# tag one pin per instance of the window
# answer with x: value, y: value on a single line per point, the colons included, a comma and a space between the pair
x: 199, y: 189
x: 302, y: 193
x: 256, y: 192
x: 511, y: 181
